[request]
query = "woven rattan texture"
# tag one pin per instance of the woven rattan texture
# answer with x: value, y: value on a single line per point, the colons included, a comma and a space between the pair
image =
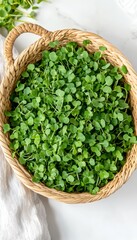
x: 13, y: 71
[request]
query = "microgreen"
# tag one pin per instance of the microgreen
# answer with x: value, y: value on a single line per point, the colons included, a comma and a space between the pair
x: 6, y: 128
x: 124, y: 69
x: 102, y: 48
x: 71, y: 123
x: 12, y: 11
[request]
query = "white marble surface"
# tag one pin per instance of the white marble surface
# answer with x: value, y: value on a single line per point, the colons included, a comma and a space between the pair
x: 113, y: 218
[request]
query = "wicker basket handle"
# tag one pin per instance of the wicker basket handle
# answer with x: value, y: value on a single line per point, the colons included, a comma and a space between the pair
x: 15, y: 33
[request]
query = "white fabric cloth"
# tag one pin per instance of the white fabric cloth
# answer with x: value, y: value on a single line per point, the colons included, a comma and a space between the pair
x: 22, y: 213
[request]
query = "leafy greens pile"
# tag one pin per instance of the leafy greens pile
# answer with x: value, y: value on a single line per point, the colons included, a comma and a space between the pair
x: 71, y: 124
x: 11, y: 11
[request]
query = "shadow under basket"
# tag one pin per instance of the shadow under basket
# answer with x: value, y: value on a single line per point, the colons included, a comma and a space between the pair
x: 14, y: 68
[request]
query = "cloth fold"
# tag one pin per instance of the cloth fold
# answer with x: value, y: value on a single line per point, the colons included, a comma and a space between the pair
x: 22, y: 213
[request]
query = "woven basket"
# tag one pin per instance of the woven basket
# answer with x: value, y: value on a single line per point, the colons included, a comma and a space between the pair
x: 14, y: 68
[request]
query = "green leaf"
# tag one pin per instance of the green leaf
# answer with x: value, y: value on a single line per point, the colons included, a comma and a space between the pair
x: 37, y: 140
x: 41, y: 168
x: 54, y: 44
x: 3, y: 13
x: 106, y: 66
x: 126, y: 137
x: 109, y: 80
x: 110, y: 149
x: 107, y: 89
x: 103, y: 175
x: 76, y: 103
x: 60, y: 93
x: 102, y: 48
x: 96, y: 151
x: 31, y: 67
x: 95, y: 66
x: 27, y: 141
x: 64, y: 119
x: 57, y: 158
x: 41, y: 116
x: 71, y: 77
x: 73, y: 128
x: 119, y: 155
x: 86, y: 42
x: 97, y: 125
x: 38, y: 99
x: 68, y: 98
x: 47, y: 131
x: 95, y: 190
x: 25, y: 75
x: 64, y: 130
x: 120, y: 117
x: 133, y: 140
x: 62, y: 69
x: 16, y: 145
x: 70, y: 178
x: 97, y: 55
x: 127, y: 86
x: 105, y: 143
x: 67, y: 157
x: 103, y: 124
x: 20, y: 87
x: 124, y: 69
x: 24, y: 126
x: 22, y: 160
x: 113, y: 167
x: 14, y: 135
x: 6, y: 128
x: 53, y: 57
x: 27, y: 91
x: 78, y: 143
x: 92, y: 162
x: 34, y: 179
x: 81, y: 137
x: 30, y: 121
x: 7, y: 113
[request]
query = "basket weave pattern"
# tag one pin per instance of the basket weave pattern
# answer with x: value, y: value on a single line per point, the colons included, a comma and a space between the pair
x: 14, y: 68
